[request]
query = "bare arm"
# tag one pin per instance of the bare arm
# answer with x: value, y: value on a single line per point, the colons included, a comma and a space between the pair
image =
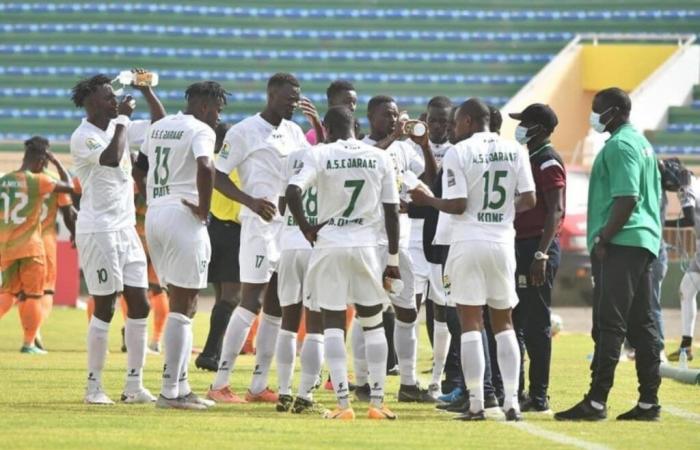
x: 688, y: 219
x: 525, y: 201
x: 205, y: 184
x: 68, y: 213
x: 431, y: 169
x: 228, y: 188
x: 554, y: 200
x: 112, y: 155
x: 155, y: 107
x: 449, y: 206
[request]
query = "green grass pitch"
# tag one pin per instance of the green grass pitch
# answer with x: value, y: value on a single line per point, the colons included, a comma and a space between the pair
x: 41, y: 406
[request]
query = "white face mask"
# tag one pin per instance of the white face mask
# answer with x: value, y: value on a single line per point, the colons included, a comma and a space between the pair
x: 521, y: 135
x: 596, y: 124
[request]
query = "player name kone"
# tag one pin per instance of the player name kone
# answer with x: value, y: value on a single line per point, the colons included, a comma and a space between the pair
x: 495, y: 156
x: 351, y: 163
x: 167, y: 134
x: 489, y: 217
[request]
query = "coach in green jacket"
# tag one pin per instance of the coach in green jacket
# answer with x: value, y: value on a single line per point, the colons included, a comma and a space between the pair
x: 624, y: 233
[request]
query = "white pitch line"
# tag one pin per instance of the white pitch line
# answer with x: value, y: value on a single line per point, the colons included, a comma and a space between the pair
x: 556, y: 437
x: 682, y: 413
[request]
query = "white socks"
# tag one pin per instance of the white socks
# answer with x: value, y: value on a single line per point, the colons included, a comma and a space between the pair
x: 183, y: 383
x: 286, y: 355
x: 336, y: 358
x: 311, y: 361
x: 135, y: 335
x: 97, y: 339
x: 357, y: 341
x: 509, y: 363
x: 441, y: 346
x: 473, y: 367
x: 234, y: 338
x: 406, y: 343
x: 376, y: 352
x: 264, y: 351
x: 690, y: 284
x: 175, y: 338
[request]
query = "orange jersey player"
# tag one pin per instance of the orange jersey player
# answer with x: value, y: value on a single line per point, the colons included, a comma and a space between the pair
x: 22, y: 253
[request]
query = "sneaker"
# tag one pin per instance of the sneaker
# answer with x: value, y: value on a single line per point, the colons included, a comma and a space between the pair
x: 304, y: 406
x: 194, y: 398
x: 224, y: 395
x: 673, y: 357
x: 459, y: 406
x: 414, y: 394
x: 32, y: 350
x: 491, y: 401
x: 340, y: 414
x: 583, y: 410
x: 205, y: 362
x: 178, y: 403
x: 266, y: 396
x: 154, y: 346
x: 123, y: 340
x: 284, y: 403
x: 468, y: 416
x: 461, y: 400
x: 140, y: 396
x: 434, y: 390
x: 362, y: 393
x: 380, y: 413
x: 38, y: 342
x: 393, y: 372
x: 534, y: 405
x: 449, y: 398
x: 513, y: 415
x: 97, y: 397
x: 644, y: 415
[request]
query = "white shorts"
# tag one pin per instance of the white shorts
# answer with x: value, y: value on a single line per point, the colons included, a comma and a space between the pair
x: 337, y: 277
x: 178, y: 243
x: 421, y: 268
x: 407, y: 297
x: 260, y: 249
x: 437, y: 288
x: 291, y: 271
x: 111, y: 260
x: 481, y: 273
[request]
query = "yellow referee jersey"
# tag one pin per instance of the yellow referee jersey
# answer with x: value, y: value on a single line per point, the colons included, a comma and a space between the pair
x: 222, y: 207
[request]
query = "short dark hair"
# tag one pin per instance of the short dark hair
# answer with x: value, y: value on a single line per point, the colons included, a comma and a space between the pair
x: 440, y: 101
x: 35, y: 146
x: 280, y: 79
x: 476, y: 109
x: 495, y: 119
x: 206, y: 89
x: 339, y: 118
x: 377, y: 101
x: 616, y: 97
x: 85, y: 87
x: 338, y: 87
x: 221, y: 130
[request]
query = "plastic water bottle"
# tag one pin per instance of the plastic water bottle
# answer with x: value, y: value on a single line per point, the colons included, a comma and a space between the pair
x: 127, y: 77
x: 683, y: 359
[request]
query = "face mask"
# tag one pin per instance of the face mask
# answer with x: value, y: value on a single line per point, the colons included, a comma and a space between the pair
x: 521, y: 135
x: 595, y: 122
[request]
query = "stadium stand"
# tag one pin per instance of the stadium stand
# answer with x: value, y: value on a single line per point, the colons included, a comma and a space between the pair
x: 458, y: 48
x: 682, y: 135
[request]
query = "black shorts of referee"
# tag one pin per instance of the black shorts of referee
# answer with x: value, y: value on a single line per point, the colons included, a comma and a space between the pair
x: 225, y: 238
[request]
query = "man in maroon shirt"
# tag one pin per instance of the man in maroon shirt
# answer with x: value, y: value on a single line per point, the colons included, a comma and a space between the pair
x: 537, y: 250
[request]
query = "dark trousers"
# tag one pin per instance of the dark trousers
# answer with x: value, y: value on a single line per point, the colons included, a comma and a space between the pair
x: 622, y: 308
x: 532, y: 316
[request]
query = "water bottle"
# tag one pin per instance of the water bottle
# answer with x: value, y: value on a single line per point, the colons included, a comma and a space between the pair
x: 683, y: 359
x: 127, y: 77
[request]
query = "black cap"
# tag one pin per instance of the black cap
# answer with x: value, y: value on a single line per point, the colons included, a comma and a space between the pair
x: 539, y: 114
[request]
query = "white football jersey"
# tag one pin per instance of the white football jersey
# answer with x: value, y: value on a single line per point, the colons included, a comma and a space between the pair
x: 488, y: 171
x: 107, y: 202
x: 406, y: 158
x: 292, y: 237
x: 259, y: 150
x: 172, y: 146
x: 353, y: 180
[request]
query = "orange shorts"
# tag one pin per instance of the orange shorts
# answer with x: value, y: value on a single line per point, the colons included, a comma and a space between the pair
x: 23, y: 276
x: 50, y: 246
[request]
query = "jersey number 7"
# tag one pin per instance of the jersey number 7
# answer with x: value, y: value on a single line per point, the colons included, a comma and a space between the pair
x: 356, y: 186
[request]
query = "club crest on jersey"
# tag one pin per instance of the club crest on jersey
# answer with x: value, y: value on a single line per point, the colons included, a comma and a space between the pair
x: 92, y: 144
x: 451, y: 178
x: 225, y: 150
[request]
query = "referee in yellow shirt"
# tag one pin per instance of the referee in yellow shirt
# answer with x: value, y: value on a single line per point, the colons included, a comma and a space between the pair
x: 224, y: 234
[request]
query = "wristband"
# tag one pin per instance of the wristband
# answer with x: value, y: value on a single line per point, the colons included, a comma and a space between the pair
x: 393, y: 260
x: 122, y: 119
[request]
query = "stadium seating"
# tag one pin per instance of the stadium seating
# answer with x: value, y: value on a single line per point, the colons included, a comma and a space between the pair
x: 682, y: 135
x: 458, y: 48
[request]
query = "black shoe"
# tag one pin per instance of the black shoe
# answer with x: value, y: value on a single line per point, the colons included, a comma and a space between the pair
x: 513, y: 416
x: 469, y: 416
x: 458, y: 407
x: 351, y: 386
x: 457, y: 401
x: 123, y: 340
x: 38, y: 343
x: 414, y: 394
x: 303, y: 406
x: 534, y: 405
x: 393, y: 372
x: 362, y: 393
x: 583, y: 410
x: 284, y: 403
x: 205, y: 362
x: 491, y: 402
x: 645, y: 415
